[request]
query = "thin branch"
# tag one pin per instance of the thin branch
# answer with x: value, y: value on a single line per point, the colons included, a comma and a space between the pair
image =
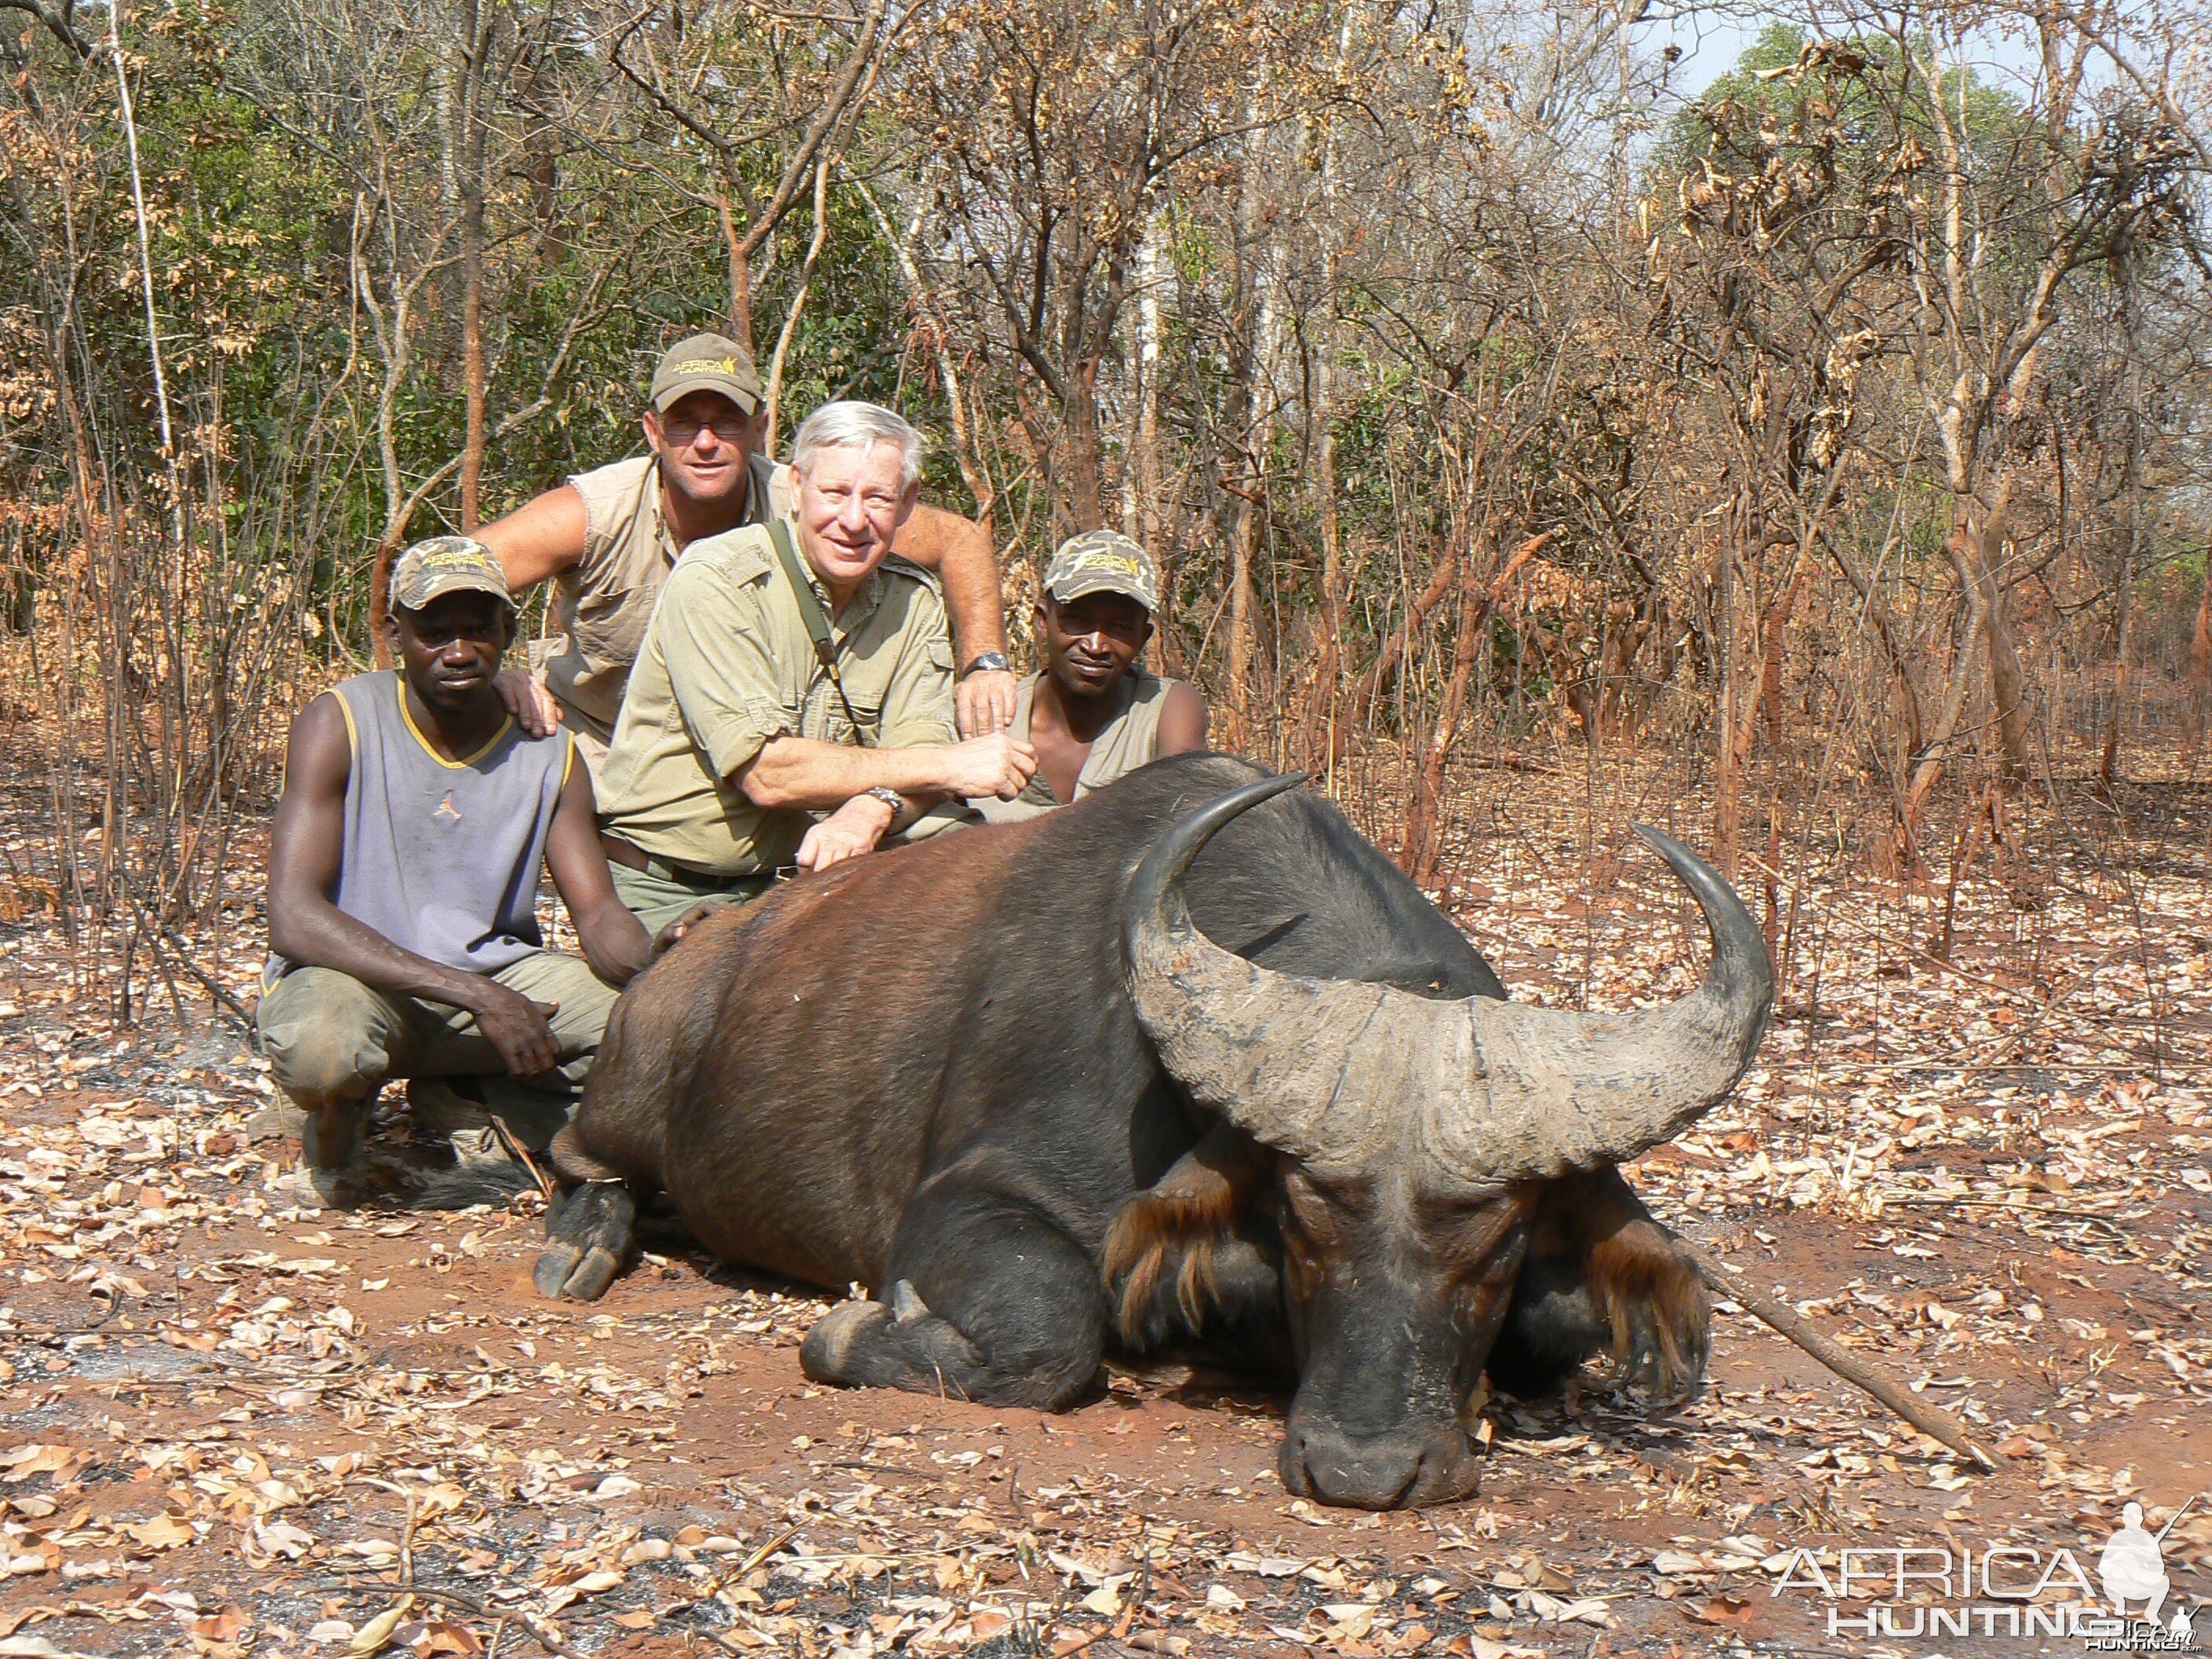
x: 58, y: 23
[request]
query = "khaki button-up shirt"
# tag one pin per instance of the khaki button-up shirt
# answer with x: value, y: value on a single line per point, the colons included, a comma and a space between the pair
x: 727, y: 666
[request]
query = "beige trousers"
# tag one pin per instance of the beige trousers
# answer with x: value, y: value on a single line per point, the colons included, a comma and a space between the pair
x: 332, y: 1041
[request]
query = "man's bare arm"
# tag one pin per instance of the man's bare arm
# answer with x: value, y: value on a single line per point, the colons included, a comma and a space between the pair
x: 1182, y: 720
x: 960, y: 552
x: 807, y: 773
x: 540, y: 539
x: 615, y: 941
x: 306, y: 928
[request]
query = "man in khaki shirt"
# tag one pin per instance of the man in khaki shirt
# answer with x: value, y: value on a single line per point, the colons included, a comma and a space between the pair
x: 734, y: 756
x: 608, y: 537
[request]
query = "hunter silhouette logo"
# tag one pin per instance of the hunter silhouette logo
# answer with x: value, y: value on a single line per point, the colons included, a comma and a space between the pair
x: 447, y: 810
x: 2132, y: 1567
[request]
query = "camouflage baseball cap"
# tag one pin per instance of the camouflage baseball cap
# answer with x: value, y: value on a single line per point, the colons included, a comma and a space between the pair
x: 1103, y: 562
x: 446, y: 564
x: 707, y: 362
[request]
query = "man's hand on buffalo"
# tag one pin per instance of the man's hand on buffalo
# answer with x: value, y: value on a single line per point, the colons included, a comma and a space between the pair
x: 530, y: 703
x: 850, y: 831
x: 673, y: 935
x: 1001, y: 764
x: 984, y: 701
x: 516, y: 1027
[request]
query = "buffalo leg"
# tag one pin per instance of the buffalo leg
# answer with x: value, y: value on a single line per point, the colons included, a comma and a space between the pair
x: 1601, y: 1276
x: 986, y: 1301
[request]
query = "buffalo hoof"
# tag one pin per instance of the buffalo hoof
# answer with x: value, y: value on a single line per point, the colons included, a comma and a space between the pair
x: 587, y: 1237
x: 827, y: 1354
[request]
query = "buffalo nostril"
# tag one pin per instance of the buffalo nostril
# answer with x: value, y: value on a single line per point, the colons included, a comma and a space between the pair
x: 1405, y: 1468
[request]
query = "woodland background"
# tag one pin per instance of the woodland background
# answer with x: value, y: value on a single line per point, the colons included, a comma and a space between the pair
x: 1828, y: 446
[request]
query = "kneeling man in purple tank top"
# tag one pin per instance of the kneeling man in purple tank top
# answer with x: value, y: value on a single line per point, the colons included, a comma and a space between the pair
x: 403, y: 885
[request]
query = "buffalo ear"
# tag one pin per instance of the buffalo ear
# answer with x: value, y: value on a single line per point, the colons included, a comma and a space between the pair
x: 1159, y: 1263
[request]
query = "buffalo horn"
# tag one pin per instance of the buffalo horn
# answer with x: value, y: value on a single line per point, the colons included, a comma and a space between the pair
x: 1336, y: 1072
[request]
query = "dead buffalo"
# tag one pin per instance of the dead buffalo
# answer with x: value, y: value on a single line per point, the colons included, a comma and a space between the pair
x: 1017, y: 1083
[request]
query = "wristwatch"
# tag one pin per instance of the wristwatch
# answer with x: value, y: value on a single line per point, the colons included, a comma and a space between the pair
x: 890, y: 797
x: 994, y: 660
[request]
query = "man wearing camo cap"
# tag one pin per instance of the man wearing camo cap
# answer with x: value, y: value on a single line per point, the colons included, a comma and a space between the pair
x: 608, y: 537
x: 402, y: 886
x: 1093, y: 711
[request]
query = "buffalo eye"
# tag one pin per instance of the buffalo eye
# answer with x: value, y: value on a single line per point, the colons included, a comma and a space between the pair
x: 1314, y: 1207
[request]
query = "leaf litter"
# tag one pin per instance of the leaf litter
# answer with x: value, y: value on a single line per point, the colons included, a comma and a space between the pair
x: 235, y: 1428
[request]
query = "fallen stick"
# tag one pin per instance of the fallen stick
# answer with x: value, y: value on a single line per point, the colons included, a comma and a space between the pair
x: 521, y: 1154
x: 1936, y: 1425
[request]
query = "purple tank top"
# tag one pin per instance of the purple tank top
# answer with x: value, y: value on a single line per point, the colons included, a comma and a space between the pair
x: 441, y: 857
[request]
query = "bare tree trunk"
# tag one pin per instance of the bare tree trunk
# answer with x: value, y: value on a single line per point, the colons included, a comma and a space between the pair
x: 1777, y: 627
x: 1323, y: 733
x: 1424, y: 841
x: 1252, y: 316
x: 1084, y: 493
x: 468, y: 148
x: 740, y: 273
x: 2199, y: 675
x: 1973, y: 635
x: 790, y: 328
x: 1728, y: 804
x: 2108, y: 765
x: 1250, y: 519
x: 2008, y: 683
x: 1151, y: 271
x: 1424, y: 822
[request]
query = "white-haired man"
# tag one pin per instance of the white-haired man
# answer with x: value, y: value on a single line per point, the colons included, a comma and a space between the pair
x: 791, y: 700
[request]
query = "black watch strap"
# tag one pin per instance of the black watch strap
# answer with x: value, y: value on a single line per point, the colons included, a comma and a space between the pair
x: 992, y: 660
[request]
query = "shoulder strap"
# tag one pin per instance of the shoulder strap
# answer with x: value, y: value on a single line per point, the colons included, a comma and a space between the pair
x: 817, y: 623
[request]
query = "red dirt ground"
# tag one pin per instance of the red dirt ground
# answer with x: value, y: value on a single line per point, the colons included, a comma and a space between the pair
x: 233, y: 1429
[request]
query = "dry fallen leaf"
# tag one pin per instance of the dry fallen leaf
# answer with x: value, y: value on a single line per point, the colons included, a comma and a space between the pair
x: 1724, y: 1610
x: 371, y: 1636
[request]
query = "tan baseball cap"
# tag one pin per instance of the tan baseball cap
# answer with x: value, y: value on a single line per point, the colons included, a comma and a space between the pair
x: 1103, y: 562
x: 707, y: 362
x: 446, y: 564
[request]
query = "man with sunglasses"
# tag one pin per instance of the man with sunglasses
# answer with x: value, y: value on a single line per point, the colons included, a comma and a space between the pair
x: 608, y: 537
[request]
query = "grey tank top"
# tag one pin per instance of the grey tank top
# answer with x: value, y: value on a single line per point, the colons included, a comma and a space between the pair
x: 441, y: 857
x: 1129, y: 740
